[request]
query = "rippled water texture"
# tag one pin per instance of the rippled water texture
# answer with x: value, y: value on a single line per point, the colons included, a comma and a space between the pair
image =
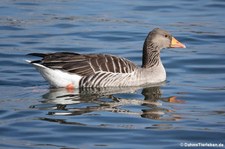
x: 188, y: 108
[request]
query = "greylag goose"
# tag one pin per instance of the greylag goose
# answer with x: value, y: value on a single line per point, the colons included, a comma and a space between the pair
x: 73, y: 70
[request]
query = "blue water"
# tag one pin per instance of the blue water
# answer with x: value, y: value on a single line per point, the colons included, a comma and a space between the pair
x: 188, y: 108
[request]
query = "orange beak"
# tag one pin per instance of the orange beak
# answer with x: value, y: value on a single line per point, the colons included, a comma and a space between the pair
x: 176, y: 44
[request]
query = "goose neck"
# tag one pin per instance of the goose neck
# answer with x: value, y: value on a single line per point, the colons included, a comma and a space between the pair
x: 151, y: 56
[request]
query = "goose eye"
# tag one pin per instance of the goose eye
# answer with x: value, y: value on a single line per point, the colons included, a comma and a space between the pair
x: 166, y: 35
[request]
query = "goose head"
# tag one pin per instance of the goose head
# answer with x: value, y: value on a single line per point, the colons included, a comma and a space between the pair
x: 163, y: 39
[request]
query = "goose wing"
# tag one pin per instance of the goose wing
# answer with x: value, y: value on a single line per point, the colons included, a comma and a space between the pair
x: 85, y: 64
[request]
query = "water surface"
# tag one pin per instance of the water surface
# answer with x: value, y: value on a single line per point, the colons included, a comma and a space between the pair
x: 187, y: 108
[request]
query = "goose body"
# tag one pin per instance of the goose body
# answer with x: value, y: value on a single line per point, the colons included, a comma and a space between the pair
x: 73, y: 70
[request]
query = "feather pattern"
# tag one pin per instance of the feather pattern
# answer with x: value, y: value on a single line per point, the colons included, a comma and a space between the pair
x: 86, y: 65
x: 95, y: 70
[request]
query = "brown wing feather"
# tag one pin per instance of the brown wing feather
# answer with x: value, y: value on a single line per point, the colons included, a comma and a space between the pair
x: 85, y: 64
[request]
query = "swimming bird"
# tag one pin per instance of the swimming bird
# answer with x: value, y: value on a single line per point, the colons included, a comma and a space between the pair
x: 73, y: 70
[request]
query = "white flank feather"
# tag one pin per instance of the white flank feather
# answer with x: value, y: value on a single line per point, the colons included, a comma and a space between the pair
x: 57, y: 78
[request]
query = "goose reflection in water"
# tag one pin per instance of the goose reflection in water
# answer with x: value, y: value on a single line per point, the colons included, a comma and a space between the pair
x: 77, y: 102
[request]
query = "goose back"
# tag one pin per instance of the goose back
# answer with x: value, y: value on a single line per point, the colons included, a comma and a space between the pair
x: 85, y: 64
